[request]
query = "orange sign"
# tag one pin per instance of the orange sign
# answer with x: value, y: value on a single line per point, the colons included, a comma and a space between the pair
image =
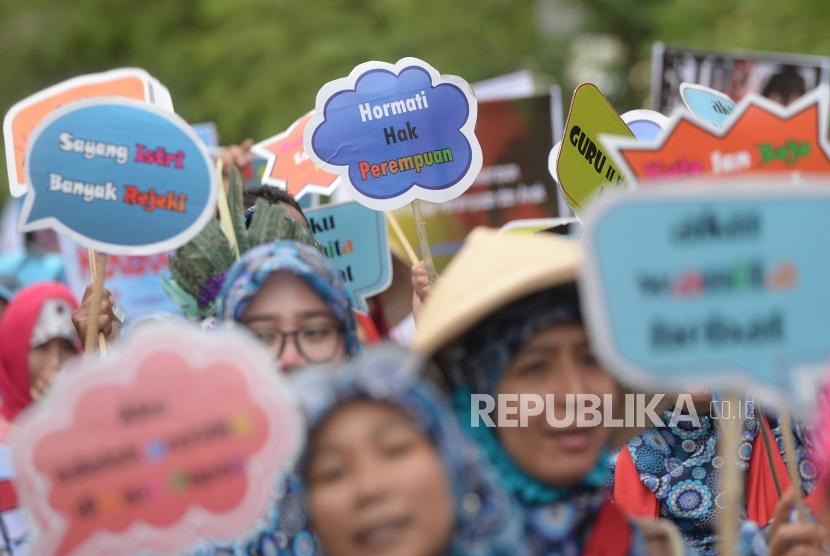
x: 25, y: 115
x: 289, y: 167
x: 761, y: 136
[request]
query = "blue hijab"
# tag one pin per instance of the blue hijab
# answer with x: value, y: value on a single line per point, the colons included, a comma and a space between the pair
x: 247, y: 276
x: 487, y: 521
x: 559, y: 519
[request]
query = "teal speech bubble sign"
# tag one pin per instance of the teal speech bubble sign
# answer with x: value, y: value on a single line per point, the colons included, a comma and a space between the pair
x: 719, y: 286
x: 707, y: 104
x: 355, y: 239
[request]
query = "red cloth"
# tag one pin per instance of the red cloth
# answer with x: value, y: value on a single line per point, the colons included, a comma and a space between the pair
x: 634, y: 499
x: 611, y: 535
x: 16, y: 328
x: 368, y: 328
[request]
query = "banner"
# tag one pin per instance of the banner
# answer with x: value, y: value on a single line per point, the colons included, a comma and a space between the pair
x: 354, y: 238
x: 174, y: 439
x: 721, y: 284
x: 118, y: 176
x: 395, y: 133
x: 514, y: 183
x: 779, y: 77
x: 22, y: 118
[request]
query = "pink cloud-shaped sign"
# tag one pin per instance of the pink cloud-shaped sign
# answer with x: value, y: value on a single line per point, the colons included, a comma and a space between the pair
x: 171, y: 441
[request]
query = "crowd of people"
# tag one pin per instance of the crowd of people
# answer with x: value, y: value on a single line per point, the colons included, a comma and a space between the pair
x: 392, y: 463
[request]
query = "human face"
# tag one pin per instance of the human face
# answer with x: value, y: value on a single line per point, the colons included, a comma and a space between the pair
x: 376, y: 485
x: 557, y: 361
x: 44, y: 362
x: 286, y: 304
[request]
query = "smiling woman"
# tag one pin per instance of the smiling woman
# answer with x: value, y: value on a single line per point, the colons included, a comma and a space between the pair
x: 387, y: 470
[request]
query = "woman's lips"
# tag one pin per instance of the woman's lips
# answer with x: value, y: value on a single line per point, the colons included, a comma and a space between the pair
x: 381, y: 534
x: 571, y: 439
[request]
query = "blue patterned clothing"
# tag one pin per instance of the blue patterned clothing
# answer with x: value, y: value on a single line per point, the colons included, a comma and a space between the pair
x: 681, y: 466
x: 487, y: 520
x: 247, y: 276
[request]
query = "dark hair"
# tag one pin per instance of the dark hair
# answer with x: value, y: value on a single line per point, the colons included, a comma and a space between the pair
x: 786, y: 83
x: 272, y: 196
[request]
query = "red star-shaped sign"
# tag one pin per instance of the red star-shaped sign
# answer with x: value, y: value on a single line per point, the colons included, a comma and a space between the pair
x: 289, y: 167
x: 760, y: 136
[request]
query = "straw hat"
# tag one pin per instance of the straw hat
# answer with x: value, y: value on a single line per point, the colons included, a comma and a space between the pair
x: 490, y: 272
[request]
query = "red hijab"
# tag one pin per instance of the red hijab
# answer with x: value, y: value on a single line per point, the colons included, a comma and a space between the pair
x: 16, y: 328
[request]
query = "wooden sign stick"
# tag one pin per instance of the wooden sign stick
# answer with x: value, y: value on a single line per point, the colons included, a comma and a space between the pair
x: 396, y: 227
x: 792, y: 465
x: 423, y: 240
x: 97, y: 272
x: 731, y: 480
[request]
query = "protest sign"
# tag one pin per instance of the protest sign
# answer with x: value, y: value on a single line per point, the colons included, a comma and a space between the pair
x: 736, y: 73
x: 289, y: 167
x: 135, y: 282
x: 706, y: 104
x: 514, y: 183
x: 174, y: 439
x: 22, y: 118
x: 760, y: 136
x: 355, y: 239
x: 720, y: 284
x: 582, y: 168
x: 118, y: 176
x: 395, y: 133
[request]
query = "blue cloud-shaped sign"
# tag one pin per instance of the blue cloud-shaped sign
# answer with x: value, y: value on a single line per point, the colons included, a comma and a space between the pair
x: 396, y: 133
x: 119, y: 176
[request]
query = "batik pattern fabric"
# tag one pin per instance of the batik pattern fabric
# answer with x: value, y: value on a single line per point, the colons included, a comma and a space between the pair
x: 283, y: 531
x: 247, y: 276
x: 682, y: 467
x: 488, y: 522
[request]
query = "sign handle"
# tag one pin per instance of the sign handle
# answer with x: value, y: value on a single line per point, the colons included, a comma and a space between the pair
x: 423, y: 240
x: 97, y: 271
x: 792, y: 465
x: 225, y: 222
x: 396, y: 227
x: 732, y: 480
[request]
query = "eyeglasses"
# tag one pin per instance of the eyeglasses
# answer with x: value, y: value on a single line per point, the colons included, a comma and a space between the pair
x: 315, y: 342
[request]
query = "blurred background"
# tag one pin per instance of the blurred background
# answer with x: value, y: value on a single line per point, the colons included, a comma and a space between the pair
x: 254, y: 66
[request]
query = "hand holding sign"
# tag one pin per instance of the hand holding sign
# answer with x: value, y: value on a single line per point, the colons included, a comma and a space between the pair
x: 173, y: 440
x: 118, y: 176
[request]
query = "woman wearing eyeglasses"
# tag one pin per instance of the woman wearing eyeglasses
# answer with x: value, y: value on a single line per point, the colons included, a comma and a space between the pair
x: 294, y: 300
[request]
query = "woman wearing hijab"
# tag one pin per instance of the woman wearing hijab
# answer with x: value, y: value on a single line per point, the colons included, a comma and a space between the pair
x: 293, y: 299
x: 36, y: 338
x: 504, y: 319
x: 388, y: 471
